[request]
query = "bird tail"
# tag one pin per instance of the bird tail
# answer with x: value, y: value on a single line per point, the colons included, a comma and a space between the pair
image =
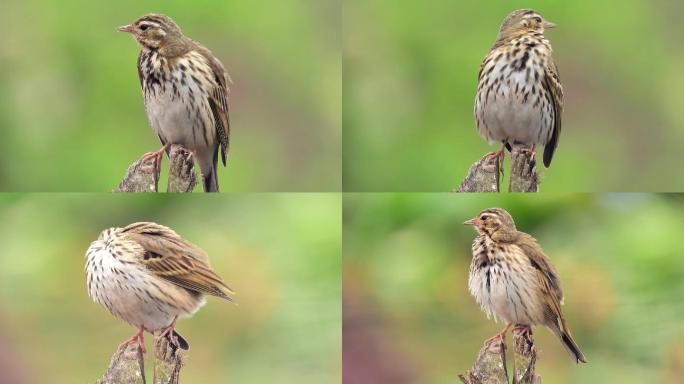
x: 210, y: 180
x: 564, y: 335
x: 550, y: 148
x: 181, y: 342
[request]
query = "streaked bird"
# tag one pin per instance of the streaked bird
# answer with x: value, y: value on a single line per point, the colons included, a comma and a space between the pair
x: 519, y: 98
x: 514, y: 281
x: 148, y: 276
x: 185, y: 89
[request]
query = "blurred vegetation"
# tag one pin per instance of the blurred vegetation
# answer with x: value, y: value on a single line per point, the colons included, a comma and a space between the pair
x: 71, y: 109
x: 410, y: 74
x: 409, y: 318
x: 280, y: 252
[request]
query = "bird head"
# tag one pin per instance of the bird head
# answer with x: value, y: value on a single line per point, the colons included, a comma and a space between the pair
x: 524, y: 20
x: 491, y: 221
x: 153, y: 30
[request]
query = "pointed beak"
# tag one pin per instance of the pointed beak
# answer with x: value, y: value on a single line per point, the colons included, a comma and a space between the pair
x: 469, y: 222
x: 125, y: 28
x: 549, y: 25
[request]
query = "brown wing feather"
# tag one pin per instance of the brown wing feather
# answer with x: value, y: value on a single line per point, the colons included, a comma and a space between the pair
x: 140, y: 75
x: 553, y: 87
x: 170, y: 257
x: 541, y: 262
x: 218, y: 100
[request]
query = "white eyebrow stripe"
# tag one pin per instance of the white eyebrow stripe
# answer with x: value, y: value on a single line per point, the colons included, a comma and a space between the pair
x: 150, y: 24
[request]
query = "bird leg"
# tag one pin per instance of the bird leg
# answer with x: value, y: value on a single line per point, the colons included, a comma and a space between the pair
x: 499, y: 155
x: 499, y: 336
x: 168, y: 332
x: 156, y: 155
x: 139, y: 338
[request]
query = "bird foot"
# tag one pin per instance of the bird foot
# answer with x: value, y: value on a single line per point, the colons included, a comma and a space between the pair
x: 499, y: 337
x: 168, y: 332
x: 137, y: 338
x: 522, y: 330
x: 499, y: 156
x: 156, y: 155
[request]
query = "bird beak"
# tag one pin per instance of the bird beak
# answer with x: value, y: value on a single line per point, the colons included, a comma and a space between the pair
x: 469, y: 222
x: 125, y: 28
x: 549, y: 25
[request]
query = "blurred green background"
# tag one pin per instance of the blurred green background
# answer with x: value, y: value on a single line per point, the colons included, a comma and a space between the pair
x: 71, y: 109
x: 280, y: 252
x: 410, y: 74
x: 408, y: 316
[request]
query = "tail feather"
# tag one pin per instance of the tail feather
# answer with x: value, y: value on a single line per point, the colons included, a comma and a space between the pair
x: 180, y: 340
x: 569, y: 344
x: 550, y: 148
x: 210, y: 181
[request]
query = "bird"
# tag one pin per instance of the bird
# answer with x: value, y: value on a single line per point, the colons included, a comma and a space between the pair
x: 148, y: 276
x: 513, y: 280
x: 519, y: 99
x: 185, y: 90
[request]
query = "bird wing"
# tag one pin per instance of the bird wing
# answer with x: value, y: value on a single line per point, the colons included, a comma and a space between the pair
x: 218, y: 99
x: 140, y: 75
x: 548, y: 276
x: 484, y: 63
x: 174, y: 259
x: 552, y: 86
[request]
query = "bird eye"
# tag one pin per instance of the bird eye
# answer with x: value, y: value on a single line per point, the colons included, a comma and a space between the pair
x: 144, y: 27
x: 538, y: 19
x: 484, y: 217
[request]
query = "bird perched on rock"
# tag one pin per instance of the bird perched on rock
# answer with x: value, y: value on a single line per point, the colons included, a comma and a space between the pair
x: 147, y: 275
x: 519, y: 97
x: 513, y: 280
x: 185, y: 89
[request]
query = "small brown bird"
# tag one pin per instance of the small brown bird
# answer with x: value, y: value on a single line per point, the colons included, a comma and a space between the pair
x: 519, y: 97
x: 513, y: 280
x: 186, y: 92
x: 147, y: 275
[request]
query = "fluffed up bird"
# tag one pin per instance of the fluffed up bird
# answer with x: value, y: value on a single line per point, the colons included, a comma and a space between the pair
x: 513, y: 280
x: 147, y: 275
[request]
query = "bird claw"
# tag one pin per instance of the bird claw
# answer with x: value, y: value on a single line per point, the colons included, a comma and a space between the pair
x: 156, y: 155
x: 501, y: 337
x: 170, y: 334
x: 137, y: 338
x: 522, y: 330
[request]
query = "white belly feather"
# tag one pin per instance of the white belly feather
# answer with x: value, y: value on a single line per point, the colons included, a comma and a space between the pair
x: 125, y: 290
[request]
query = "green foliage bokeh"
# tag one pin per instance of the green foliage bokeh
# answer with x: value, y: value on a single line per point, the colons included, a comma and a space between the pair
x: 71, y: 109
x: 279, y: 252
x: 619, y: 256
x: 410, y: 73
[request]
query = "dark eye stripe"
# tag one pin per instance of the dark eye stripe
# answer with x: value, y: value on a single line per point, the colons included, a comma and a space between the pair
x: 148, y: 24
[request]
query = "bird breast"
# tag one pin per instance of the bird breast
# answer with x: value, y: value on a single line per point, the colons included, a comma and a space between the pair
x: 131, y: 293
x: 511, y: 102
x: 502, y: 280
x: 177, y: 101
